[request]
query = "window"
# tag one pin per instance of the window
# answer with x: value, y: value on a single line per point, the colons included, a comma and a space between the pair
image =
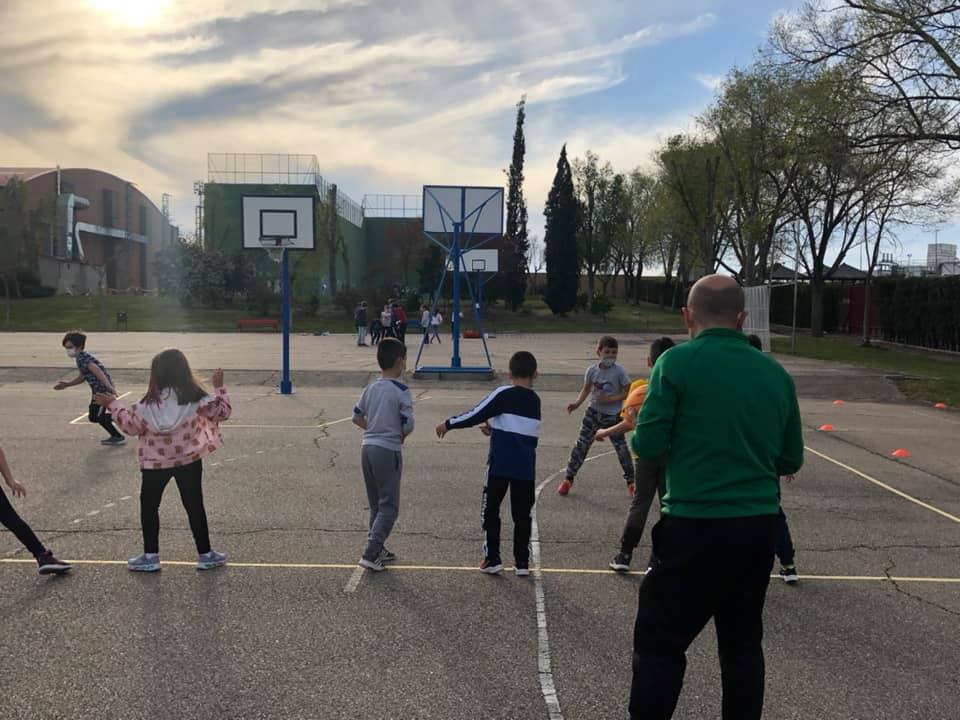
x: 107, y: 207
x: 143, y: 219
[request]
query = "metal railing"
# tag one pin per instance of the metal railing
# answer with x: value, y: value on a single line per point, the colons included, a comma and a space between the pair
x: 279, y: 169
x: 393, y: 206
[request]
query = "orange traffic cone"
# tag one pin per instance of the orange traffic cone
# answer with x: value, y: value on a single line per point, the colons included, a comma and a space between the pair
x: 941, y: 406
x: 901, y: 453
x: 838, y: 402
x: 826, y: 428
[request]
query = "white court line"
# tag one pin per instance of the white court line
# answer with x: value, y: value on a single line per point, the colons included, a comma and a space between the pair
x: 354, y: 580
x: 884, y: 485
x: 929, y: 416
x: 544, y: 669
x: 86, y: 414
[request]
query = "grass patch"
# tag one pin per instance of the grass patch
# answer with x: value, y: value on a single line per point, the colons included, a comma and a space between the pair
x: 930, y: 378
x: 161, y: 314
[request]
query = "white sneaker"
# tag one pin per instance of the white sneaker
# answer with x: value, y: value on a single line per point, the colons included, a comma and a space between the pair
x: 210, y: 560
x: 374, y: 565
x: 148, y: 562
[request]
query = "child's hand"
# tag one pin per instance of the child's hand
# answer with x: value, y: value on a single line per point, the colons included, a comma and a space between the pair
x: 217, y: 379
x: 61, y: 385
x: 104, y: 399
x: 572, y: 406
x: 485, y: 428
x: 601, y: 435
x: 441, y: 429
x: 16, y: 488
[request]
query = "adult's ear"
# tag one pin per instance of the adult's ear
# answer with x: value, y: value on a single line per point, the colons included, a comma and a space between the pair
x: 741, y: 316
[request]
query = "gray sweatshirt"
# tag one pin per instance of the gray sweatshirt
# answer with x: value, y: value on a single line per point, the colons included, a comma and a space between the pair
x: 387, y: 407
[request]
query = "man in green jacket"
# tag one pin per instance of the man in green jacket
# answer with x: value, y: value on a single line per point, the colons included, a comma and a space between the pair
x: 725, y: 419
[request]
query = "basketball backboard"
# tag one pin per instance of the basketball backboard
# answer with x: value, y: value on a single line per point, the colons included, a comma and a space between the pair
x: 486, y: 261
x: 284, y: 220
x: 479, y: 209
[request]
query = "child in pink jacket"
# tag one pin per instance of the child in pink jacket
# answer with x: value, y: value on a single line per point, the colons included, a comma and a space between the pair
x: 177, y: 422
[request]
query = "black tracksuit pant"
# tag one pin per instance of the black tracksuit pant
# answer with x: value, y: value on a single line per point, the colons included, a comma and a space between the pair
x: 684, y: 590
x: 522, y: 497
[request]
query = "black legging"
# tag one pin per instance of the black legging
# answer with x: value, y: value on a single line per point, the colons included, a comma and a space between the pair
x: 104, y: 419
x: 15, y: 524
x: 191, y: 495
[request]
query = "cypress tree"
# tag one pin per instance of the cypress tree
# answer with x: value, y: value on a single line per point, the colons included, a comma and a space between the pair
x: 516, y: 246
x: 563, y: 261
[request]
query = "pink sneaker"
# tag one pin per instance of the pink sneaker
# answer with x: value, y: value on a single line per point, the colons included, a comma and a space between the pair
x: 565, y: 486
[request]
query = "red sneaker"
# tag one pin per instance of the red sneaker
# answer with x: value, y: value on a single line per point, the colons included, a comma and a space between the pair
x: 565, y: 486
x: 632, y: 489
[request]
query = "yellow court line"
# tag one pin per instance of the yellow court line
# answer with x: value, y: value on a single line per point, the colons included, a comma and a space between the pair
x: 473, y: 569
x: 884, y: 485
x: 86, y: 415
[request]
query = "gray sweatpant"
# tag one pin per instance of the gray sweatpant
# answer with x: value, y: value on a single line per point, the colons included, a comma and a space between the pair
x: 381, y: 475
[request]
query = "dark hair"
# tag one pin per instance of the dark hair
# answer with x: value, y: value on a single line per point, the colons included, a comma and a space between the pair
x: 75, y: 338
x: 170, y: 369
x: 755, y: 341
x: 523, y: 364
x: 608, y: 341
x: 389, y: 351
x: 659, y: 346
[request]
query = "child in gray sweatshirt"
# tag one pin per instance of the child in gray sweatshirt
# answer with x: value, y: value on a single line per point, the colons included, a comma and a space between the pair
x: 385, y: 412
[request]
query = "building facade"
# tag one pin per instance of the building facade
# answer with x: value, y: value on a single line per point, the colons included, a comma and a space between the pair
x: 107, y: 231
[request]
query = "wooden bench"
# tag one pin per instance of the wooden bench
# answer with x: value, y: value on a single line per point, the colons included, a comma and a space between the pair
x: 258, y: 323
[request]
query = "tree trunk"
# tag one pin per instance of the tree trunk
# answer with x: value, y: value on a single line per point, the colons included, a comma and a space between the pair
x: 866, y: 308
x: 816, y: 307
x: 591, y: 281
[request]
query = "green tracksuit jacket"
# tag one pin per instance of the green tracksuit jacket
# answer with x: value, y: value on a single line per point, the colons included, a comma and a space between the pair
x: 725, y: 418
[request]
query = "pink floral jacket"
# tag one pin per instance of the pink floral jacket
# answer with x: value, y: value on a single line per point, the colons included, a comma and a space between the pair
x: 197, y: 434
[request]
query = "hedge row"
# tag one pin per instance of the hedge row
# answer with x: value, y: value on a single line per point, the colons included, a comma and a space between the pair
x: 919, y: 311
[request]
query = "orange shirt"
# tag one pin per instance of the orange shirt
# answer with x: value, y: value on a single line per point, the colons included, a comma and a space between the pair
x: 635, y: 397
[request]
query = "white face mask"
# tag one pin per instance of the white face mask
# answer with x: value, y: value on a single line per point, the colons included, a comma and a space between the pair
x: 72, y: 352
x: 606, y: 363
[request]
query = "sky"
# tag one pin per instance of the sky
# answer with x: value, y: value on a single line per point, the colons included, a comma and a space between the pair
x: 389, y: 95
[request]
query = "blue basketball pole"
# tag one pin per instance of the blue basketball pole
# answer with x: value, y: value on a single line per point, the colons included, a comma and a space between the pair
x: 286, y: 387
x: 455, y: 324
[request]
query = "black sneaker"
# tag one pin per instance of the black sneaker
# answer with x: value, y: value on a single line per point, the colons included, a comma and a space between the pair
x: 789, y: 574
x: 491, y: 566
x: 49, y: 565
x: 117, y: 440
x: 386, y: 556
x: 621, y: 563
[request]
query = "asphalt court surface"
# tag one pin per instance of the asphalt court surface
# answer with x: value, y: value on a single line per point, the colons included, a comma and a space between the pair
x: 291, y: 631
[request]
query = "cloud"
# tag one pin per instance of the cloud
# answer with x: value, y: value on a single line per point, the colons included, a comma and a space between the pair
x: 708, y: 81
x: 388, y: 95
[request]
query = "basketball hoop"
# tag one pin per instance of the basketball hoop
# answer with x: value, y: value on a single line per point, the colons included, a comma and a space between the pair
x: 275, y: 245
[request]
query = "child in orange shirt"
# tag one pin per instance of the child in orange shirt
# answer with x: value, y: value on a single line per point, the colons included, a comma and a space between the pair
x: 648, y: 475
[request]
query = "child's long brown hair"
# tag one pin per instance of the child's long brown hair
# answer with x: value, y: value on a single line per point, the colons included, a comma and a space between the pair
x: 170, y: 369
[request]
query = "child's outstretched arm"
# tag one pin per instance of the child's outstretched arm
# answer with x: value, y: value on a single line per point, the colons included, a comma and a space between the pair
x: 619, y: 429
x: 584, y: 392
x: 406, y: 413
x: 488, y: 407
x: 360, y: 411
x: 16, y: 488
x: 127, y: 420
x: 63, y: 384
x: 220, y: 409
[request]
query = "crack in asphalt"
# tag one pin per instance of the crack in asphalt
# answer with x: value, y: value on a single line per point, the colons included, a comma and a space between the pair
x: 887, y: 570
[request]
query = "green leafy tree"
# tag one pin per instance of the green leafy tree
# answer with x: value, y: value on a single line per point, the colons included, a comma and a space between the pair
x: 562, y: 256
x: 516, y: 246
x: 592, y: 181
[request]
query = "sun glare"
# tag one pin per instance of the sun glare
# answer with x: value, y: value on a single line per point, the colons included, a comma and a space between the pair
x: 130, y: 12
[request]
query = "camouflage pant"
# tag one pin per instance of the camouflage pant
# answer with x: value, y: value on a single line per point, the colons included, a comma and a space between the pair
x: 593, y: 421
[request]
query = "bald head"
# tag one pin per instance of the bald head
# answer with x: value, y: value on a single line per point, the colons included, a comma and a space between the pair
x: 715, y: 301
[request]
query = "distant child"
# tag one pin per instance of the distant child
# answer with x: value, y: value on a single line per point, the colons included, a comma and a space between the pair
x: 46, y: 562
x: 360, y: 323
x: 435, y: 325
x: 784, y: 543
x: 606, y: 383
x: 96, y: 376
x: 400, y: 322
x: 178, y: 423
x: 385, y: 412
x: 425, y: 323
x: 510, y: 415
x: 649, y: 474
